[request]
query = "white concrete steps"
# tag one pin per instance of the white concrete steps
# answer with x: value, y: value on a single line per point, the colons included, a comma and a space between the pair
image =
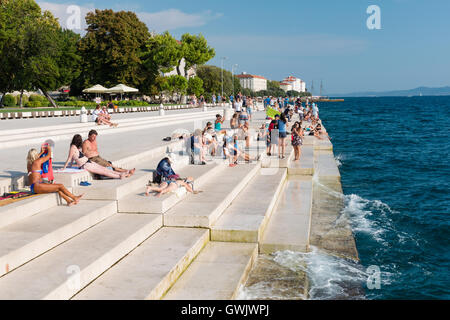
x: 216, y: 273
x: 151, y: 269
x: 203, y: 209
x: 24, y: 208
x: 28, y: 238
x: 273, y: 161
x: 326, y: 167
x: 72, y: 179
x: 290, y: 224
x: 19, y: 140
x: 114, y: 189
x: 10, y: 134
x: 323, y: 144
x: 66, y: 269
x: 137, y: 202
x: 305, y: 165
x: 247, y: 216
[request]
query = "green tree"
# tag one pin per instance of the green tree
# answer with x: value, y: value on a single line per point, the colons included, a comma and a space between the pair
x: 36, y: 52
x: 113, y: 50
x: 165, y: 51
x: 212, y: 80
x: 195, y: 51
x: 15, y: 16
x: 177, y: 84
x: 195, y: 86
x: 293, y: 93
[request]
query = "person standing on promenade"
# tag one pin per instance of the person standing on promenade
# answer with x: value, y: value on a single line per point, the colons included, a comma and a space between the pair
x: 37, y: 186
x: 282, y: 125
x: 90, y: 150
x: 297, y: 141
x: 249, y: 108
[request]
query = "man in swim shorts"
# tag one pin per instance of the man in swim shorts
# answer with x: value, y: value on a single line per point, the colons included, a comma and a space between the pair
x: 90, y: 150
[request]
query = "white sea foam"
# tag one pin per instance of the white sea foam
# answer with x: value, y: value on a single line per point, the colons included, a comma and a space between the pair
x: 330, y: 277
x: 339, y: 159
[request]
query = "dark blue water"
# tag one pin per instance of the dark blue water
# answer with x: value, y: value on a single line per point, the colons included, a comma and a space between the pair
x: 394, y: 155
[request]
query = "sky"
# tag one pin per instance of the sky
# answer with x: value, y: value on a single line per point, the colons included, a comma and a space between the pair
x: 321, y: 40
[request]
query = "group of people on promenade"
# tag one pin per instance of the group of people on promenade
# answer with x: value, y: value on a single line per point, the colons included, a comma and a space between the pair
x: 231, y: 143
x: 84, y: 154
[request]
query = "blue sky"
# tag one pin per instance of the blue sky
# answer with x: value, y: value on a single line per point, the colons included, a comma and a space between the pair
x: 318, y: 40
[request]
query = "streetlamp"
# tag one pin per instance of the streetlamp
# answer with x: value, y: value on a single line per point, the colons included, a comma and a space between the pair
x: 221, y: 71
x: 232, y: 76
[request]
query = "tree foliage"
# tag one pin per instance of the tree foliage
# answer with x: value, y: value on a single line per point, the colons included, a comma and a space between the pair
x: 195, y: 86
x: 212, y: 82
x: 195, y: 50
x: 112, y: 50
x: 36, y: 52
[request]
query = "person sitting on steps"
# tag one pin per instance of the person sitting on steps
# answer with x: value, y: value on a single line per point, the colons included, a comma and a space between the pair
x: 37, y: 186
x: 90, y: 150
x: 83, y: 162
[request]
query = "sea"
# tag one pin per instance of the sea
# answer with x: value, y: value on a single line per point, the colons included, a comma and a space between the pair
x: 393, y: 157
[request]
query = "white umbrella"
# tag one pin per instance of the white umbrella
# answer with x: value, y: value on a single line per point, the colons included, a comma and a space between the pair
x: 96, y: 89
x: 121, y: 88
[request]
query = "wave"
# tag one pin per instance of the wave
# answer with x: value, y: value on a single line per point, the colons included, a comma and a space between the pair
x: 339, y: 159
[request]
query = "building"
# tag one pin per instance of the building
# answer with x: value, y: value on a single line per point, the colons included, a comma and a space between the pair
x: 252, y: 82
x: 293, y: 83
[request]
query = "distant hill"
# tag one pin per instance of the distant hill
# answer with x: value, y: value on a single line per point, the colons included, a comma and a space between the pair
x: 425, y: 91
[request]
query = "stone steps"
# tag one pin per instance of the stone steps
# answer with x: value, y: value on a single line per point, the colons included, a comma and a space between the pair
x: 115, y: 189
x: 151, y: 269
x: 203, y: 209
x: 217, y: 272
x: 28, y: 238
x: 326, y: 167
x: 137, y: 202
x: 18, y: 180
x: 247, y: 216
x: 304, y: 166
x: 17, y: 141
x: 273, y: 161
x: 24, y: 208
x: 66, y: 269
x: 290, y: 224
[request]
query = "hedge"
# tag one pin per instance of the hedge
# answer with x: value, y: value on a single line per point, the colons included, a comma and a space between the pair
x: 9, y: 100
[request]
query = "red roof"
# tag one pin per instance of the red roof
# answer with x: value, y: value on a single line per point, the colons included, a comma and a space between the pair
x: 249, y: 76
x: 285, y: 84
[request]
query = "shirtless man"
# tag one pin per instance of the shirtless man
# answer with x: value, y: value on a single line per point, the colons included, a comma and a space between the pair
x: 90, y: 150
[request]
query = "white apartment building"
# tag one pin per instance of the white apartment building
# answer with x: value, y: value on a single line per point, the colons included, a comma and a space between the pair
x: 293, y: 83
x: 252, y: 82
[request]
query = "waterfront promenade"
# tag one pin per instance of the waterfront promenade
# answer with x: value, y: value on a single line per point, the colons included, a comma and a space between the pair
x: 119, y: 244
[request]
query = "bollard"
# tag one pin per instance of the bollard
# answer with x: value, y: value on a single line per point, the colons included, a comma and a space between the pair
x: 83, y: 115
x: 161, y: 110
